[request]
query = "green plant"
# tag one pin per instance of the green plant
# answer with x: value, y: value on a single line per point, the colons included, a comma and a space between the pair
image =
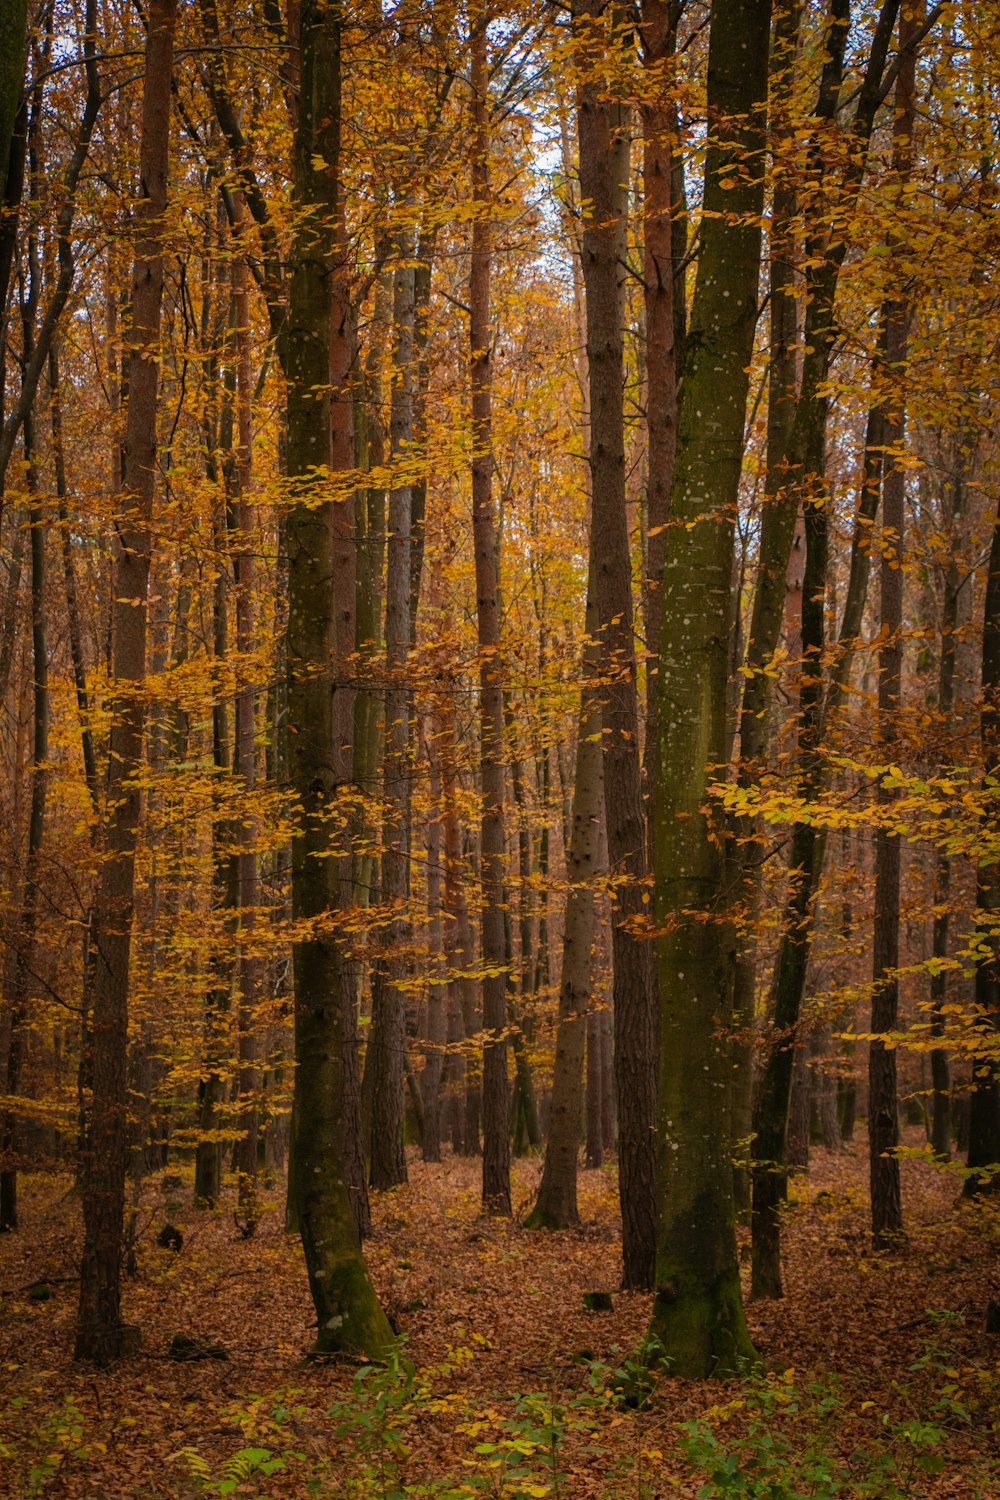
x: 58, y: 1436
x: 235, y: 1471
x: 371, y: 1419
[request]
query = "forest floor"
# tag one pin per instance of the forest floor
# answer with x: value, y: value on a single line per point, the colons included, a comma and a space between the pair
x: 882, y: 1380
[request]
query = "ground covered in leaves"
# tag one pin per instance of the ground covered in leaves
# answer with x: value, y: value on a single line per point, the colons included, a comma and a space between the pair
x: 880, y: 1376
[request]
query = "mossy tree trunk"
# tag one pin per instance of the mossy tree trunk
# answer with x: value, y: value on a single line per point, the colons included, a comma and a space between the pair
x: 320, y: 639
x: 697, y: 1319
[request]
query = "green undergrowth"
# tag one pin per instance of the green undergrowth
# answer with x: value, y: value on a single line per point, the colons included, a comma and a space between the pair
x: 399, y: 1432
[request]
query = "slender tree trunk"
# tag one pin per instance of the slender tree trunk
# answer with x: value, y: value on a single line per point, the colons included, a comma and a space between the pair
x: 435, y: 1031
x: 556, y: 1205
x: 594, y: 1138
x: 770, y: 597
x: 387, y: 1045
x: 697, y: 1317
x: 243, y: 544
x: 329, y: 1180
x: 69, y: 582
x: 805, y: 464
x: 18, y: 1015
x: 496, y: 1137
x: 458, y: 940
x: 659, y: 146
x: 984, y: 1101
x: 603, y: 143
x: 98, y: 1331
x: 883, y: 1124
x: 954, y: 581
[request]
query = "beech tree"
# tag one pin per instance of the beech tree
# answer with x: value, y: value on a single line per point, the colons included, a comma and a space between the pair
x: 99, y: 1329
x: 697, y: 1319
x: 321, y: 638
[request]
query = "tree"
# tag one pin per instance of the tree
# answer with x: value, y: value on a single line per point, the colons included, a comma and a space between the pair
x: 98, y: 1329
x: 697, y: 1319
x: 603, y: 144
x: 320, y: 640
x: 883, y: 1104
x: 496, y: 1139
x: 984, y: 1114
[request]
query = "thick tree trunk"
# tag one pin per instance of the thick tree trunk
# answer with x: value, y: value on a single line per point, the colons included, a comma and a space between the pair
x: 98, y: 1330
x: 603, y: 144
x: 328, y: 1172
x: 697, y: 1319
x: 13, y: 51
x: 496, y: 1137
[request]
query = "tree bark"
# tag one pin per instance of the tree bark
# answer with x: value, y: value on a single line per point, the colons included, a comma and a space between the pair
x: 804, y: 464
x: 18, y: 1016
x: 883, y: 1104
x: 984, y: 1102
x: 329, y: 1182
x: 697, y: 1319
x: 496, y: 1136
x: 556, y: 1204
x: 387, y: 1044
x: 98, y: 1329
x: 603, y: 145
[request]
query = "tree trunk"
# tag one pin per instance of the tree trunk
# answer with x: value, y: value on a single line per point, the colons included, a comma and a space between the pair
x: 328, y: 1172
x: 496, y: 1137
x: 984, y: 1100
x: 13, y: 51
x: 18, y: 1017
x: 771, y: 593
x: 697, y: 1318
x: 594, y: 1141
x: 435, y: 1030
x: 883, y: 1126
x: 805, y: 463
x: 387, y: 1044
x: 98, y: 1330
x: 243, y: 542
x: 603, y: 144
x: 556, y: 1205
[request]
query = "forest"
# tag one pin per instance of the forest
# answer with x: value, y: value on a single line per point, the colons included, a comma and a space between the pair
x: 499, y: 749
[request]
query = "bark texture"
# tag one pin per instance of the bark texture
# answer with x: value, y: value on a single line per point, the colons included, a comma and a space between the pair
x: 98, y: 1328
x: 603, y: 146
x: 328, y: 1171
x: 697, y: 1320
x: 496, y: 1088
